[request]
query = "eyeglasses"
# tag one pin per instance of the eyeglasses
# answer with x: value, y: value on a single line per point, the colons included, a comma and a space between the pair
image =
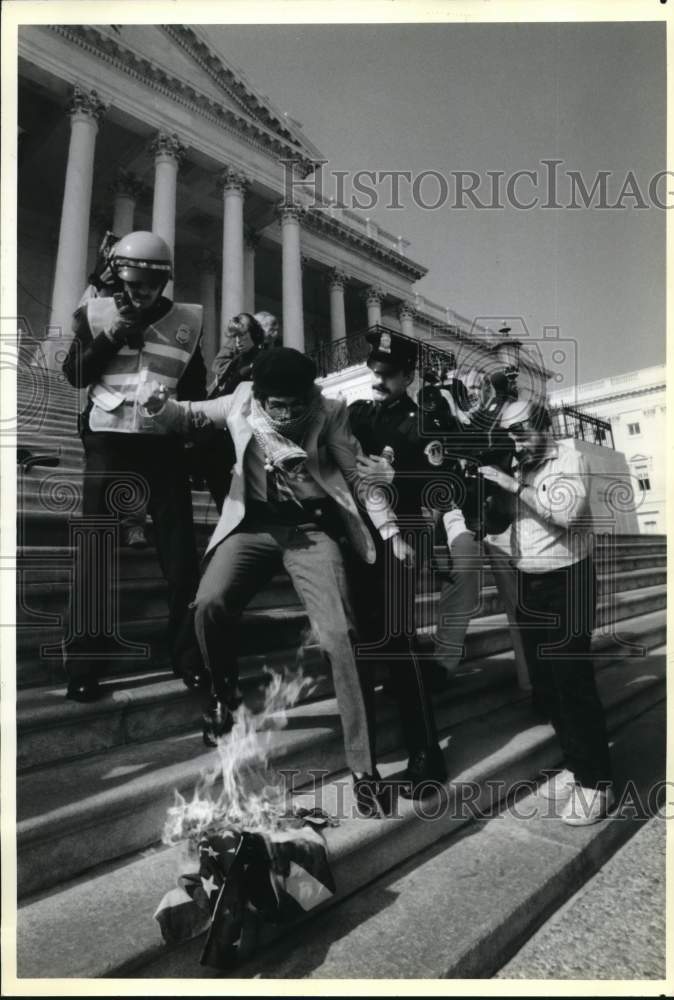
x: 278, y: 406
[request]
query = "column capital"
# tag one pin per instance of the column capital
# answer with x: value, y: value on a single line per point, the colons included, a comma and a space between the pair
x: 337, y: 278
x: 85, y: 104
x: 289, y: 211
x: 233, y: 180
x: 126, y: 183
x: 208, y: 262
x: 374, y: 295
x: 406, y: 310
x: 251, y: 237
x: 167, y: 145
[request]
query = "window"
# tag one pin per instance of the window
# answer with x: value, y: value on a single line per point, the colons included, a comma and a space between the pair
x: 644, y: 482
x: 633, y: 429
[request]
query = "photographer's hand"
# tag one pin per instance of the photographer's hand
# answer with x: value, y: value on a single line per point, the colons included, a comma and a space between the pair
x: 403, y: 551
x: 499, y: 477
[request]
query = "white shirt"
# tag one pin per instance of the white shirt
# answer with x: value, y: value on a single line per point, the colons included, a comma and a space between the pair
x: 553, y: 526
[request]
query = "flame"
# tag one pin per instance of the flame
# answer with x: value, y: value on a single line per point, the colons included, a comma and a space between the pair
x: 241, y: 792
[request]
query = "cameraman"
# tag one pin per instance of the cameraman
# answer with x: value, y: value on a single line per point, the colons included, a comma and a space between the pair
x: 120, y: 342
x: 557, y: 591
x: 466, y: 418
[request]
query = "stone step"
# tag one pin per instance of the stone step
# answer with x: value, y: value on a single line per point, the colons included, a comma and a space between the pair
x: 50, y: 528
x: 50, y: 564
x: 76, y: 798
x: 60, y: 490
x: 146, y: 599
x: 520, y: 866
x: 100, y: 924
x: 273, y: 628
x: 51, y: 728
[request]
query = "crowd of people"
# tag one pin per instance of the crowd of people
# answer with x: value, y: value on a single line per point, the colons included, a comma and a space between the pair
x: 344, y: 499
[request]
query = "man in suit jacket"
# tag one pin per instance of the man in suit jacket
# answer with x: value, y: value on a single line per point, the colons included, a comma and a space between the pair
x: 291, y: 502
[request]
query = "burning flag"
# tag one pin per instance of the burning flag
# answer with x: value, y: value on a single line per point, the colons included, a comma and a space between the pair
x: 259, y: 860
x: 244, y: 879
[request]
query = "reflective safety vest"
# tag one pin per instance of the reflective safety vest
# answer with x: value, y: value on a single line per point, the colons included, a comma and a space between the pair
x: 169, y: 344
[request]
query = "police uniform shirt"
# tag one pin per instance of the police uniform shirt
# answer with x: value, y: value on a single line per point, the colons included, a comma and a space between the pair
x: 395, y: 425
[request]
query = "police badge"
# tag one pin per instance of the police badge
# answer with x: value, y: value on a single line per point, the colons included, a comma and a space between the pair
x: 183, y: 335
x: 385, y: 343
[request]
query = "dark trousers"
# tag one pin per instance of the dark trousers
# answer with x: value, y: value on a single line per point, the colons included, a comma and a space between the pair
x: 210, y: 457
x: 118, y: 469
x: 239, y: 567
x: 383, y: 596
x: 556, y: 614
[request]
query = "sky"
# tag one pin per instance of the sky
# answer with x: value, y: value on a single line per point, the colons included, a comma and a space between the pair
x: 456, y: 97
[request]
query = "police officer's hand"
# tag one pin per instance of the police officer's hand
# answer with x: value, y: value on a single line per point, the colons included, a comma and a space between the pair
x: 499, y: 477
x: 375, y: 469
x: 403, y: 551
x: 152, y: 396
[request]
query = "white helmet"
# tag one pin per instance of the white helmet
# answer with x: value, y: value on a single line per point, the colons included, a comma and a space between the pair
x: 142, y: 256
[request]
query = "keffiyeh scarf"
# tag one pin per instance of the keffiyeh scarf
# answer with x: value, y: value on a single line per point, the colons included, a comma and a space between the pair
x: 281, y: 443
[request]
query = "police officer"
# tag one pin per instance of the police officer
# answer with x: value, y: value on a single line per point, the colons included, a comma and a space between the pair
x: 384, y: 593
x: 120, y: 343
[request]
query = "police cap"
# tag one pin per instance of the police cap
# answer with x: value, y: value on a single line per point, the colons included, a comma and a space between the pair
x: 399, y: 353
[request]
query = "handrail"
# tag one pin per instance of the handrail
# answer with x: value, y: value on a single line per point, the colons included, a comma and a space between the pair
x: 354, y: 349
x: 567, y: 422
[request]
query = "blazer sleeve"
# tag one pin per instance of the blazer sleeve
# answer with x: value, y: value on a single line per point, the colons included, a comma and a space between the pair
x: 345, y: 449
x: 179, y: 416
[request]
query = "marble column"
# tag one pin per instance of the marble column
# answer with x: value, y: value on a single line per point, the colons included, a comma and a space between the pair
x: 406, y: 317
x: 293, y: 311
x: 234, y: 186
x: 337, y: 281
x: 168, y: 152
x: 210, y: 340
x: 126, y: 189
x: 250, y: 242
x: 86, y: 110
x: 373, y: 301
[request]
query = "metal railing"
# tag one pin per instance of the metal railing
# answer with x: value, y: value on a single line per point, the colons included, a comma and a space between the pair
x: 570, y: 423
x: 354, y: 350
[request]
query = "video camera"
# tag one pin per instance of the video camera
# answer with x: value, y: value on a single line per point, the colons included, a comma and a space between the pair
x: 103, y: 277
x: 471, y: 438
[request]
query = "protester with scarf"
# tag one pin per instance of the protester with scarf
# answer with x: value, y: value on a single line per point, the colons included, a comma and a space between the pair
x: 290, y: 505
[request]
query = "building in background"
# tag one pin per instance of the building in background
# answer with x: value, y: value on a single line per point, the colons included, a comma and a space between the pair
x: 634, y: 404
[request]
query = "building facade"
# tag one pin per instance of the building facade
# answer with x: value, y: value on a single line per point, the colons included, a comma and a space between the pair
x: 635, y: 406
x: 127, y: 127
x: 145, y: 127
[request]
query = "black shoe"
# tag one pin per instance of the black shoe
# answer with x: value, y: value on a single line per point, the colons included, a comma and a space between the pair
x: 190, y: 668
x: 373, y: 797
x: 85, y: 689
x: 196, y: 678
x: 218, y: 719
x: 424, y: 774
